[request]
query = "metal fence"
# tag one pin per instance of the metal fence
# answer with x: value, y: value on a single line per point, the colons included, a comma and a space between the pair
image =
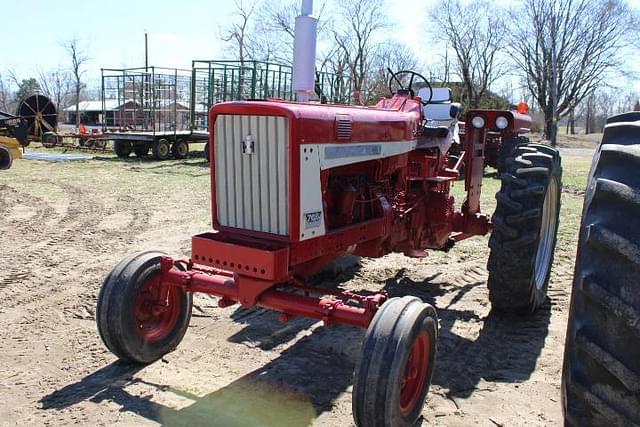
x: 152, y: 99
x: 218, y: 81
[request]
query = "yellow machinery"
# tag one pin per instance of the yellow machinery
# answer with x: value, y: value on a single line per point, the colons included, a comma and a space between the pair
x: 13, y: 136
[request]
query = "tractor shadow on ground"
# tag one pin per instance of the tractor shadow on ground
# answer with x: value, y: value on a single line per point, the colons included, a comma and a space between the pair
x: 292, y: 390
x: 507, y: 347
x: 113, y: 376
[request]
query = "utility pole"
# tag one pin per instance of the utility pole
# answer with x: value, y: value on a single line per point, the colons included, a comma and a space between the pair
x: 146, y: 52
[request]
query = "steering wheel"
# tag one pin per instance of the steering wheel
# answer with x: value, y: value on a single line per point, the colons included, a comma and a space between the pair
x: 413, y: 74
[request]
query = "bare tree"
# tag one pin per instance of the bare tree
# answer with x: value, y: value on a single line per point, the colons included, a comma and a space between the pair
x: 475, y: 33
x: 389, y: 55
x: 57, y: 85
x: 239, y: 33
x: 274, y: 30
x: 354, y: 37
x: 79, y: 57
x: 440, y: 69
x: 5, y: 95
x: 566, y: 49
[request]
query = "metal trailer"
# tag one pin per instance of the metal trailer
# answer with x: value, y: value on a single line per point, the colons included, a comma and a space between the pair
x: 149, y: 110
x: 162, y: 110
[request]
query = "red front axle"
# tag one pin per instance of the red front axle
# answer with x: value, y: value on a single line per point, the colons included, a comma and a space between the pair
x: 233, y: 288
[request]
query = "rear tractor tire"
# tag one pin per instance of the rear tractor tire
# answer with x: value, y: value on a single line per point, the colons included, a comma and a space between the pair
x: 161, y: 149
x: 506, y: 149
x: 601, y: 371
x: 180, y: 149
x: 396, y: 364
x: 134, y: 322
x: 122, y: 148
x: 525, y: 226
x: 6, y: 158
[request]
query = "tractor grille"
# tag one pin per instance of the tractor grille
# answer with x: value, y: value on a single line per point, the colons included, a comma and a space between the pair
x: 252, y: 172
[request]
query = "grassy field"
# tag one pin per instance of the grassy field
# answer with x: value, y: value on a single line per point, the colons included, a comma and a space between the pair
x: 66, y: 224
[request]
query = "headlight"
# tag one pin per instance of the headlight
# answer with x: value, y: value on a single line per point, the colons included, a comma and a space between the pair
x: 477, y: 122
x: 502, y: 122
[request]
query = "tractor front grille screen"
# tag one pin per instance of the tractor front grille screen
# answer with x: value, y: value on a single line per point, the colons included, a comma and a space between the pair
x: 252, y: 172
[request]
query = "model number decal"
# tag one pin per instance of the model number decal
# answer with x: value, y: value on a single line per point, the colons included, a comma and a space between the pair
x: 312, y: 219
x: 351, y: 150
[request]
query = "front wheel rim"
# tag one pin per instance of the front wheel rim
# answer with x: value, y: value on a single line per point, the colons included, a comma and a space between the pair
x: 415, y: 374
x: 156, y: 319
x: 548, y: 228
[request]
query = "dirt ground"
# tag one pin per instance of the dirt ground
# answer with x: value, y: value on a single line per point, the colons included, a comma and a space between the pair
x: 64, y: 225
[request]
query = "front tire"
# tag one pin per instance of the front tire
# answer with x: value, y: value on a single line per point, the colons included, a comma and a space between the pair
x: 133, y: 322
x: 525, y: 228
x: 396, y: 364
x: 601, y: 371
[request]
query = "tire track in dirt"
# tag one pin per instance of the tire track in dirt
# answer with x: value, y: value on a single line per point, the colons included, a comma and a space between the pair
x: 54, y: 260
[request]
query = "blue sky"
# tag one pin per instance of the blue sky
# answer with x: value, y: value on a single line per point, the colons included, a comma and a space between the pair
x: 179, y: 31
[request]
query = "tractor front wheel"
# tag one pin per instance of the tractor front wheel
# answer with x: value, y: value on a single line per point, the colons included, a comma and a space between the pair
x: 396, y: 364
x: 525, y: 226
x: 139, y: 318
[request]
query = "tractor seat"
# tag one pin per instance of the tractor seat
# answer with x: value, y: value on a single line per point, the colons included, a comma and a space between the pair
x: 441, y: 118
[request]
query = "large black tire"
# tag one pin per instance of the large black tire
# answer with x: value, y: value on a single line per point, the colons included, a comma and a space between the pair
x: 122, y: 148
x: 180, y: 149
x: 396, y: 364
x: 124, y: 322
x: 505, y: 150
x: 601, y: 373
x: 141, y: 150
x: 6, y: 158
x: 525, y: 228
x: 161, y: 149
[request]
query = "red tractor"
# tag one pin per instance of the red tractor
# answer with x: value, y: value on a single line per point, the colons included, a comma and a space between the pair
x: 297, y: 185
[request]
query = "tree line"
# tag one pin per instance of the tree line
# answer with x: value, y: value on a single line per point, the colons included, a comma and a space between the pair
x: 567, y: 58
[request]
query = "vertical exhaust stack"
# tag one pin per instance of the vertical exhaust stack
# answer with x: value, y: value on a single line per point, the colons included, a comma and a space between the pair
x: 304, y: 52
